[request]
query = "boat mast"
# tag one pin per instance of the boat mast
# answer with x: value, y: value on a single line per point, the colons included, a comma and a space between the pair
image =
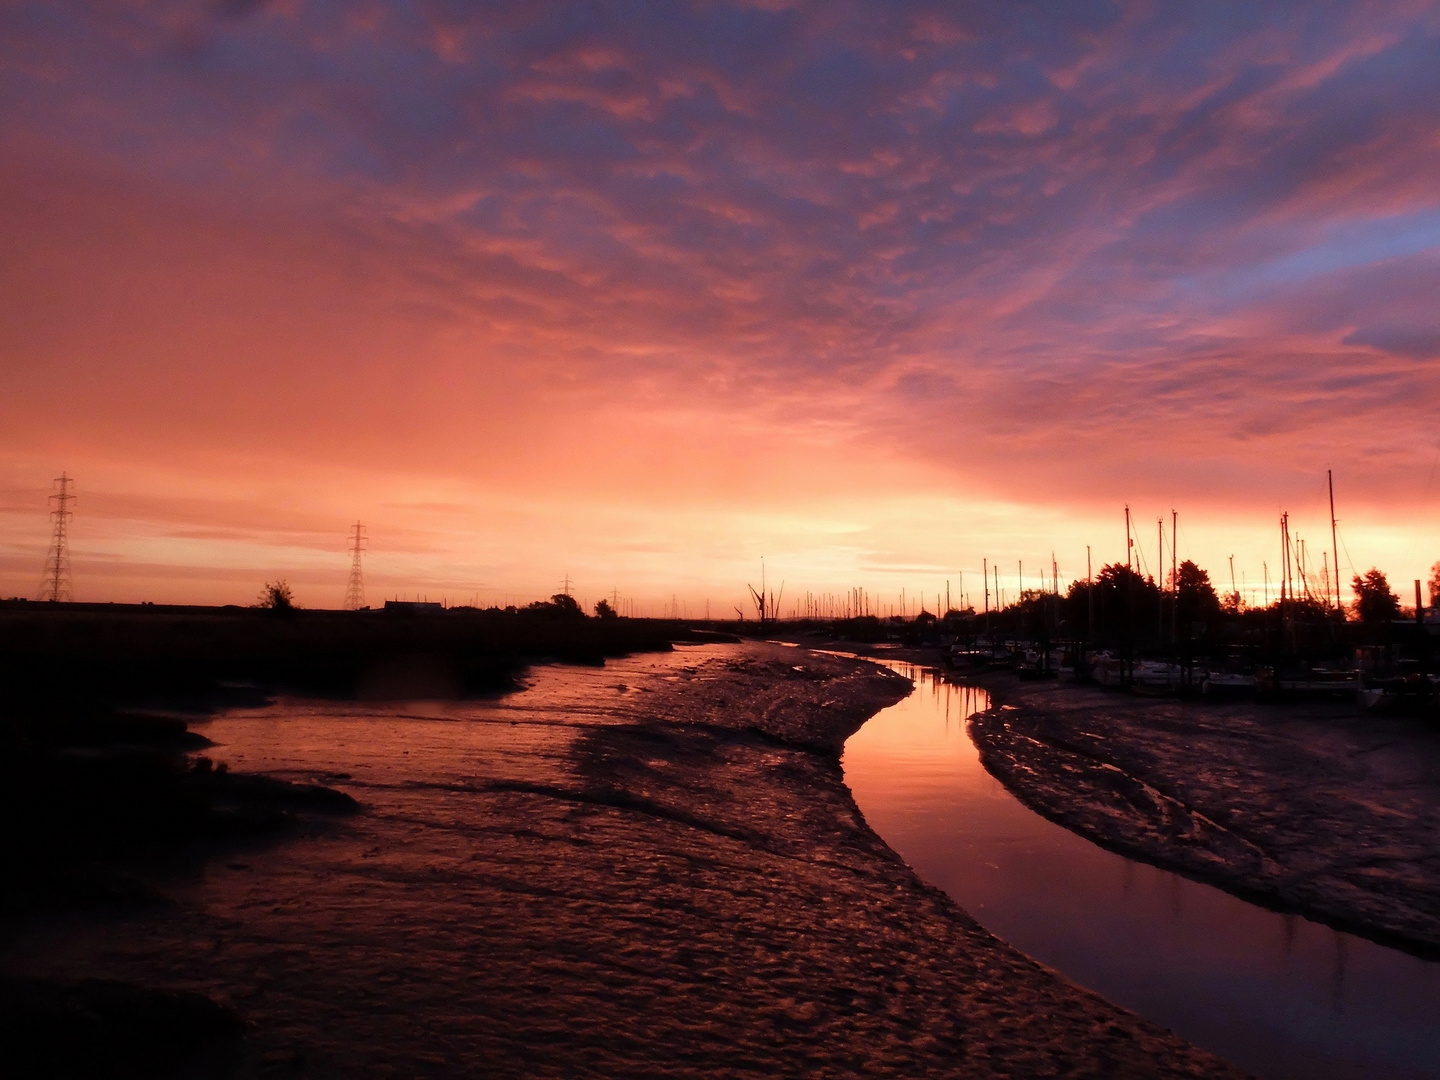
x: 1089, y: 595
x: 1127, y: 667
x: 1128, y: 542
x: 1160, y: 585
x: 1334, y: 543
x: 1174, y: 577
x: 1285, y: 588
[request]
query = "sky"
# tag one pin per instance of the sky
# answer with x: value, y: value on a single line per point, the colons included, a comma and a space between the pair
x: 640, y: 294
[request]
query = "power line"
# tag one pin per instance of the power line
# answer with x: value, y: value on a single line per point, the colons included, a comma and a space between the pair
x: 55, y: 586
x: 355, y: 590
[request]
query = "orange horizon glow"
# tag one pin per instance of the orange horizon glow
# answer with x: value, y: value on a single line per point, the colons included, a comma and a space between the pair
x: 909, y: 545
x: 871, y: 294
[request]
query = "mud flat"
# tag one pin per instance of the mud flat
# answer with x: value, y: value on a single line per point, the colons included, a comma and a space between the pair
x: 651, y: 869
x: 102, y: 810
x: 1315, y: 810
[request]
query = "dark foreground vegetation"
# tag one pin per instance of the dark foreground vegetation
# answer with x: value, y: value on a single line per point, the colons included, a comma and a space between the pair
x: 202, y: 656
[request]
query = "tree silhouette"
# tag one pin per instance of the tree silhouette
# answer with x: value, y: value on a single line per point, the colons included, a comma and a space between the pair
x: 1195, y: 594
x: 1435, y: 587
x: 1120, y: 599
x: 603, y: 610
x: 1374, y: 602
x: 561, y: 604
x: 1123, y: 589
x: 277, y: 596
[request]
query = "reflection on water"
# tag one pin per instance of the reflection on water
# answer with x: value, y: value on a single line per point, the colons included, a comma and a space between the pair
x: 1278, y: 995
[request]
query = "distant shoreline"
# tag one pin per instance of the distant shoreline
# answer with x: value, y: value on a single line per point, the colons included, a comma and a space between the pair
x: 57, y: 655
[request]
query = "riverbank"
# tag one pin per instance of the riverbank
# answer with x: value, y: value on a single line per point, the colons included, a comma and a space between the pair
x: 67, y: 656
x: 105, y: 811
x: 103, y: 805
x: 649, y: 869
x: 1311, y: 809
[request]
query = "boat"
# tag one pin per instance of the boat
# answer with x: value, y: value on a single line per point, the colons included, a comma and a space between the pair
x: 1310, y: 682
x: 1410, y: 692
x: 1156, y: 676
x: 1107, y: 669
x: 1227, y: 684
x: 982, y: 654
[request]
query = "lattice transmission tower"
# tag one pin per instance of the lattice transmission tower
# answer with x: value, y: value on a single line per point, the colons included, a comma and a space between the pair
x: 355, y: 590
x: 55, y: 585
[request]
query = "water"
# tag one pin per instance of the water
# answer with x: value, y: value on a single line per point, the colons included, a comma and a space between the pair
x: 458, y: 926
x: 1276, y: 994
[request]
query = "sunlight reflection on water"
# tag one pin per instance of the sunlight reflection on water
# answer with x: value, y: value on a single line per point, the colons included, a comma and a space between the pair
x: 1276, y: 994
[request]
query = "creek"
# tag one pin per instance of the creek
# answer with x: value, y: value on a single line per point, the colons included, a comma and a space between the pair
x: 1275, y: 994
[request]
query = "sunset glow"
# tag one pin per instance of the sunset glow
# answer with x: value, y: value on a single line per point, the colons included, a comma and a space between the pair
x: 642, y: 295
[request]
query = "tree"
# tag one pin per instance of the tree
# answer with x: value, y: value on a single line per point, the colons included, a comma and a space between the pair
x: 1122, y: 589
x: 562, y: 604
x: 277, y: 596
x: 603, y: 610
x: 1122, y: 579
x: 1195, y: 594
x: 1435, y: 587
x: 1374, y: 602
x: 1122, y: 601
x: 566, y: 604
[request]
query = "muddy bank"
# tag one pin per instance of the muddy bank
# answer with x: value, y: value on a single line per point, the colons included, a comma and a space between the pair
x: 105, y: 811
x: 1314, y: 810
x: 94, y: 1028
x: 651, y: 869
x: 102, y: 807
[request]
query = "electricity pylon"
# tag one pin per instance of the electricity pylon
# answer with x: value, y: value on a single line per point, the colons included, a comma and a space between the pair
x: 55, y: 586
x: 355, y: 590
